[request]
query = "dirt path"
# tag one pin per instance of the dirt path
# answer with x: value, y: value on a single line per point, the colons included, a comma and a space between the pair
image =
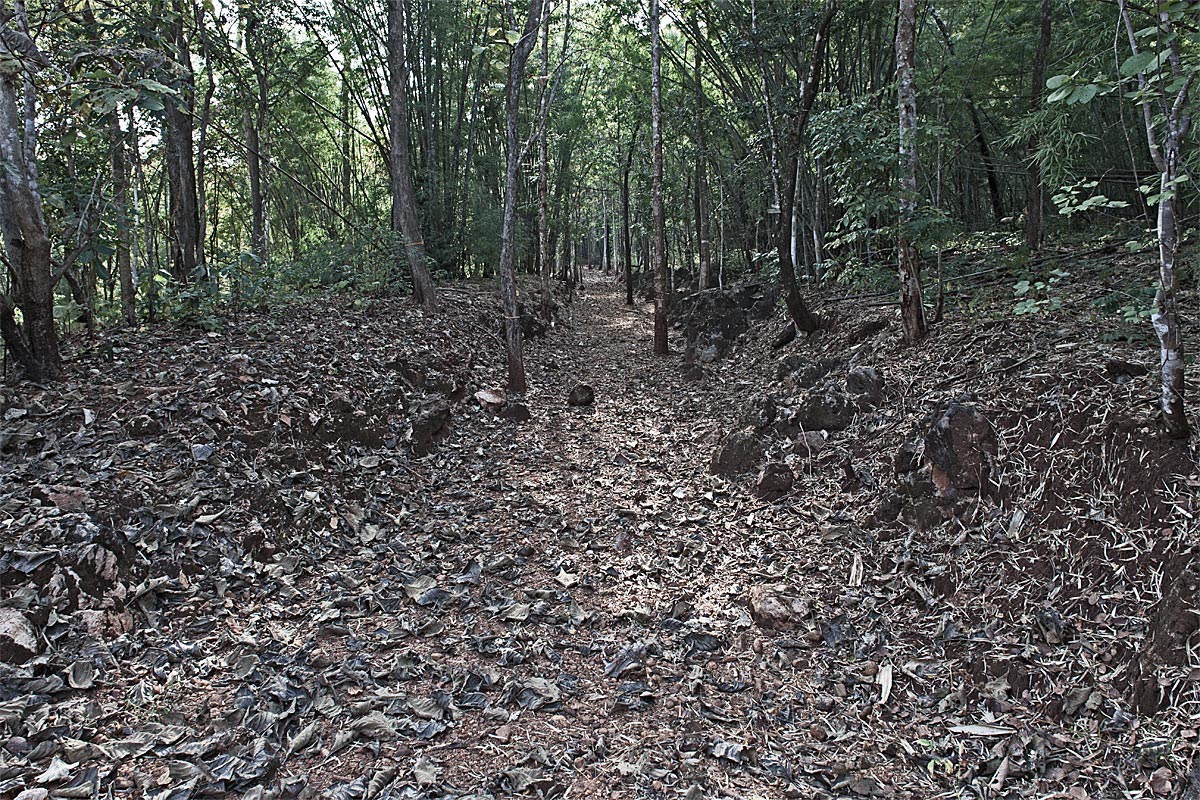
x: 286, y: 603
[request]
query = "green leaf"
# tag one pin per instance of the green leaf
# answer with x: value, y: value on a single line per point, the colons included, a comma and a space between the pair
x: 1057, y: 81
x: 1137, y: 63
x: 1082, y: 95
x: 512, y: 37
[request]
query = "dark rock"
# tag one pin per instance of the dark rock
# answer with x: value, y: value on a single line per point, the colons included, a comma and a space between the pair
x: 809, y: 443
x: 774, y: 481
x: 908, y: 458
x: 866, y: 330
x: 431, y: 424
x: 918, y: 483
x: 18, y: 642
x: 924, y: 515
x: 890, y: 506
x: 826, y: 410
x: 713, y: 319
x: 694, y: 373
x: 1124, y: 371
x: 739, y: 452
x: 960, y: 447
x: 515, y: 410
x: 581, y: 395
x: 776, y: 606
x: 866, y: 384
x: 785, y: 336
x: 799, y: 372
x: 761, y: 414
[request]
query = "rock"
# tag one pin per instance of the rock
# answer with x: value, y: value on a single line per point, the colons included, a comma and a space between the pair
x: 866, y: 330
x: 798, y: 372
x: 960, y: 447
x: 739, y: 452
x: 908, y: 458
x: 1124, y: 371
x: 890, y: 506
x: 491, y: 399
x: 924, y: 515
x: 761, y: 413
x: 18, y: 641
x: 431, y: 424
x: 581, y: 395
x: 866, y: 384
x: 775, y: 606
x: 516, y: 410
x: 917, y: 484
x: 694, y: 373
x: 785, y: 336
x: 713, y: 319
x: 809, y: 443
x: 826, y: 410
x: 774, y: 481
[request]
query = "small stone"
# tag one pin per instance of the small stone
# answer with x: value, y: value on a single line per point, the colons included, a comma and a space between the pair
x: 809, y: 443
x: 865, y: 383
x: 581, y: 395
x: 503, y: 734
x: 774, y: 481
x: 960, y: 447
x: 739, y: 452
x: 491, y: 399
x: 517, y: 411
x: 818, y: 733
x: 18, y: 642
x: 1161, y: 783
x: 775, y: 606
x: 908, y: 458
x: 824, y: 703
x: 201, y: 452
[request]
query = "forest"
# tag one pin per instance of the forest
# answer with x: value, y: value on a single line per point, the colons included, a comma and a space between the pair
x: 599, y: 399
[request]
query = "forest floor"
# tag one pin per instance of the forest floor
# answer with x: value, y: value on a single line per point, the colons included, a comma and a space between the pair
x: 225, y: 574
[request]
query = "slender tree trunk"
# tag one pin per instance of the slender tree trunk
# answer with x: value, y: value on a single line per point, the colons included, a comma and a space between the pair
x: 512, y: 169
x: 120, y: 171
x: 626, y: 227
x: 405, y: 219
x: 702, y: 244
x: 801, y: 316
x: 544, y: 171
x: 1033, y: 177
x: 661, y: 346
x: 912, y: 309
x: 33, y: 342
x: 202, y: 144
x: 1168, y: 157
x: 181, y: 165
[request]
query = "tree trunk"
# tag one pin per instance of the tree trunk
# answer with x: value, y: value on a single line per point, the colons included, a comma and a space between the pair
x: 801, y: 316
x: 405, y: 219
x: 543, y: 221
x: 912, y: 309
x: 33, y: 342
x: 626, y: 228
x: 120, y: 171
x: 1168, y: 157
x: 181, y: 165
x: 512, y: 173
x: 701, y: 209
x: 661, y: 346
x: 1033, y: 178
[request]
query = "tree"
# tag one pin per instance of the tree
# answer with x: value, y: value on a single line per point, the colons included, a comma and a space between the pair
x: 1033, y: 180
x: 521, y: 49
x: 405, y: 220
x: 33, y: 341
x: 661, y: 346
x: 912, y: 308
x: 180, y: 156
x: 1164, y: 83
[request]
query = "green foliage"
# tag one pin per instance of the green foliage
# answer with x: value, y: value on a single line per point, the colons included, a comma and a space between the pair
x: 1040, y: 296
x: 1077, y: 198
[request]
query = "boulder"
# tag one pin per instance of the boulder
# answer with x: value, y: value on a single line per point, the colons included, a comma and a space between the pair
x: 517, y: 411
x: 799, y: 372
x: 823, y: 410
x: 908, y: 458
x: 776, y: 606
x: 774, y: 480
x: 960, y: 447
x: 491, y: 399
x: 809, y: 444
x: 713, y: 319
x: 739, y: 452
x: 581, y: 395
x: 761, y: 413
x: 18, y: 641
x: 866, y: 385
x: 431, y: 424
